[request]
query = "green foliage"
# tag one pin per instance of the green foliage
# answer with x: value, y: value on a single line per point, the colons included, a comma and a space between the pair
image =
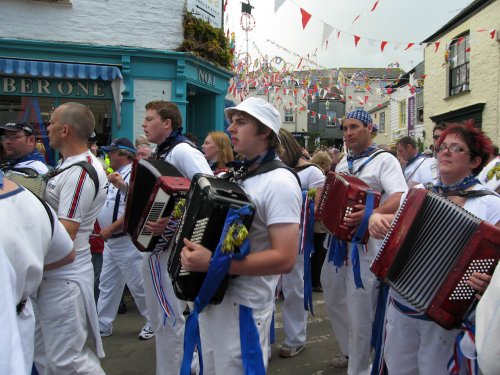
x: 206, y: 41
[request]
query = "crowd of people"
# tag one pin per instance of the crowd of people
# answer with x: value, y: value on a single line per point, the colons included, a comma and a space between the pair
x: 65, y: 257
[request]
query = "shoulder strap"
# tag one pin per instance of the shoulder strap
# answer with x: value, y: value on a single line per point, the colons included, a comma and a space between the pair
x: 471, y: 193
x: 49, y: 212
x: 89, y: 168
x: 305, y: 166
x: 270, y: 166
x: 29, y: 172
x: 371, y: 157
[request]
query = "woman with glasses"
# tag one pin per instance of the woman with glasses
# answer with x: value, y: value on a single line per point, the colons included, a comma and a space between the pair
x: 414, y: 344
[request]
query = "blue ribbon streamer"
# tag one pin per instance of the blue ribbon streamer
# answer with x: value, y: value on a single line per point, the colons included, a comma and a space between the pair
x: 378, y: 331
x: 308, y: 228
x: 217, y: 270
x: 338, y: 252
x: 251, y: 351
x: 1, y: 179
x: 358, y: 237
x: 272, y: 332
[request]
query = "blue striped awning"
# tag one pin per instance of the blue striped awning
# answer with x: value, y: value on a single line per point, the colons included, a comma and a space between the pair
x: 51, y: 69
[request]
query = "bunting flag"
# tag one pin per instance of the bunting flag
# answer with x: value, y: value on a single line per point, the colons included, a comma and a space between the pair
x: 382, y: 45
x: 356, y: 40
x: 437, y: 46
x: 374, y: 6
x: 278, y: 4
x: 492, y: 33
x: 327, y: 31
x: 409, y: 46
x: 305, y: 17
x: 356, y: 18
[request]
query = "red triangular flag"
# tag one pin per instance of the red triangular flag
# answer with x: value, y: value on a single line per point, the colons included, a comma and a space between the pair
x: 382, y: 45
x: 492, y: 34
x: 338, y: 34
x: 437, y: 46
x: 468, y: 49
x: 305, y: 18
x: 460, y: 40
x: 356, y: 40
x: 366, y: 99
x: 409, y: 46
x: 350, y: 97
x: 356, y: 19
x: 374, y: 6
x: 389, y: 90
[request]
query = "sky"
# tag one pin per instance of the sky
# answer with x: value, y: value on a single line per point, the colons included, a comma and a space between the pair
x: 396, y: 21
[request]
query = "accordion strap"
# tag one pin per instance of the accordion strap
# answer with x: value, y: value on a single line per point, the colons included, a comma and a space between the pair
x: 89, y: 168
x: 270, y: 166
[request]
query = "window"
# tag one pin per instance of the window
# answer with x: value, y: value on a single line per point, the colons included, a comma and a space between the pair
x: 459, y: 56
x: 402, y: 113
x: 312, y: 117
x: 331, y: 119
x: 420, y: 107
x: 288, y: 114
x: 381, y: 121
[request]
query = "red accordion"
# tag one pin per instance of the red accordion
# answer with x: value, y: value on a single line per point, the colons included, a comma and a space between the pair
x: 340, y: 193
x: 155, y: 188
x: 430, y: 252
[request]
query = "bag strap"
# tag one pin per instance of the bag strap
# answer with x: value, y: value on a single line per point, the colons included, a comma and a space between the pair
x: 89, y: 168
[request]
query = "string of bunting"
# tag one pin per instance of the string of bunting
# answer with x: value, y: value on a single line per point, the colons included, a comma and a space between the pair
x: 328, y: 30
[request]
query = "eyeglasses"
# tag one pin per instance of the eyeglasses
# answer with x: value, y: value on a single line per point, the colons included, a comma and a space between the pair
x: 451, y: 149
x: 12, y: 137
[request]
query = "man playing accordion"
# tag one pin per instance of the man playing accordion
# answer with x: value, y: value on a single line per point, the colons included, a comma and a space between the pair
x: 350, y: 292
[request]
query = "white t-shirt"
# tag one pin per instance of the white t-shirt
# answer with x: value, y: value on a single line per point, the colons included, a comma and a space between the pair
x: 311, y: 177
x: 188, y: 160
x: 410, y: 170
x: 493, y: 183
x: 427, y: 172
x: 383, y: 174
x: 71, y: 195
x: 11, y: 349
x: 488, y: 327
x: 105, y: 217
x: 278, y: 198
x: 27, y: 238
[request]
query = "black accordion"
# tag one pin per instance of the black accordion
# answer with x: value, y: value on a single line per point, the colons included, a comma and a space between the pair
x: 155, y: 188
x: 209, y: 200
x: 430, y: 252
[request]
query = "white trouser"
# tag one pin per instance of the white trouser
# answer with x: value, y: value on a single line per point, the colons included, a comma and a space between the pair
x: 220, y: 337
x: 169, y: 334
x: 294, y: 314
x: 351, y: 311
x: 414, y: 346
x: 122, y: 264
x: 26, y: 325
x: 65, y: 328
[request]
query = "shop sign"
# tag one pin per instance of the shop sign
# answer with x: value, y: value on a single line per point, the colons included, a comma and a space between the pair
x: 208, y: 10
x: 45, y: 87
x: 206, y: 77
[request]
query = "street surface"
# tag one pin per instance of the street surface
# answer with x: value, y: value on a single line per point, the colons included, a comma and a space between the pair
x: 126, y: 355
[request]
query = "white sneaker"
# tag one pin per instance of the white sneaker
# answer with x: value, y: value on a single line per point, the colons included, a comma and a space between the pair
x: 340, y: 361
x: 146, y: 332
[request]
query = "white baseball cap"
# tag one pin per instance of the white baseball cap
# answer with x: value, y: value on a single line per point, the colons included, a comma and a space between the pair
x: 261, y: 110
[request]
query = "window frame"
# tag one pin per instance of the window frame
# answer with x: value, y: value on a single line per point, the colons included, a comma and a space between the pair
x: 381, y: 124
x: 459, y: 65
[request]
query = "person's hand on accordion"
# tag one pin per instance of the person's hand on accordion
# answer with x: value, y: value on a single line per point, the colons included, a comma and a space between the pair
x: 157, y: 227
x: 353, y: 219
x: 479, y: 281
x: 195, y: 257
x: 379, y: 225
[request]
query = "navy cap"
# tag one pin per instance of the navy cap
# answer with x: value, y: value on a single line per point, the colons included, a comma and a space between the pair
x: 120, y: 144
x: 16, y: 126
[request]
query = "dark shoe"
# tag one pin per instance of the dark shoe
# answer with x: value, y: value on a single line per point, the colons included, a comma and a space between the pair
x: 122, y: 309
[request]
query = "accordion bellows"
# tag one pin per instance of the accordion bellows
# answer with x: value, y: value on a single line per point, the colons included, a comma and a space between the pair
x: 430, y: 252
x: 207, y: 205
x: 155, y: 187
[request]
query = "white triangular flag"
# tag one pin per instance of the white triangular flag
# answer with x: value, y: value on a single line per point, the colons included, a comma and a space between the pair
x: 327, y: 31
x: 278, y: 4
